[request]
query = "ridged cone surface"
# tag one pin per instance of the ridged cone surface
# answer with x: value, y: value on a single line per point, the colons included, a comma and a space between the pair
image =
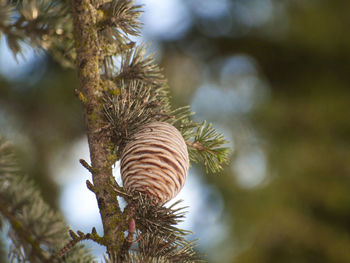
x: 155, y: 162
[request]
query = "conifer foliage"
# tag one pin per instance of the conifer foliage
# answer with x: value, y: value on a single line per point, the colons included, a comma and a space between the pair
x: 121, y: 89
x: 36, y: 232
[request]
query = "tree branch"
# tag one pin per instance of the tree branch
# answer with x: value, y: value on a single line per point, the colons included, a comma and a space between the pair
x: 23, y: 233
x: 101, y: 149
x: 80, y: 236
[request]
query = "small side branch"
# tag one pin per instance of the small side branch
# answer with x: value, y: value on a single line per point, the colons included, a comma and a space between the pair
x: 208, y: 147
x: 87, y: 166
x: 78, y: 237
x: 90, y: 186
x: 198, y: 146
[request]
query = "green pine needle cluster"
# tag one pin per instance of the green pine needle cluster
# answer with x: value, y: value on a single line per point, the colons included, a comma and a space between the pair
x: 125, y: 17
x: 161, y: 220
x: 206, y: 147
x: 36, y: 232
x: 44, y: 25
x: 158, y: 237
x: 154, y: 249
x: 140, y: 94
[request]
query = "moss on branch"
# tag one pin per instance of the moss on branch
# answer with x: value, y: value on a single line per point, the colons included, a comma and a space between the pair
x: 88, y: 65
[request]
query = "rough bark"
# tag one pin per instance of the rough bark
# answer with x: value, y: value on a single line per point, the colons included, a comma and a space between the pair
x: 101, y: 151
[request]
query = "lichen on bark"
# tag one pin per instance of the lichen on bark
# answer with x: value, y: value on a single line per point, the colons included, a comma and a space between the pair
x: 88, y: 52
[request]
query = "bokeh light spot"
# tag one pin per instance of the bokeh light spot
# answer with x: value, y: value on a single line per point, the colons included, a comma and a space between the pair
x: 166, y: 19
x: 250, y: 167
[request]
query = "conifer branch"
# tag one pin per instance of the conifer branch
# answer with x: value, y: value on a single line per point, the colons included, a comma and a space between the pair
x: 205, y: 144
x: 43, y: 24
x: 88, y: 49
x: 23, y: 233
x: 36, y: 232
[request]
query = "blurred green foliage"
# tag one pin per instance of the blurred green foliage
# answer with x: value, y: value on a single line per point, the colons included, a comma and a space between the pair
x: 300, y: 212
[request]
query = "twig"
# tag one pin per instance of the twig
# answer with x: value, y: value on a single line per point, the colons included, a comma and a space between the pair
x: 90, y: 186
x: 197, y: 145
x: 78, y: 237
x: 87, y: 166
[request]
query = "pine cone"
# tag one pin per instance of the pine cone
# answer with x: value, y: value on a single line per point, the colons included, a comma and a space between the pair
x: 155, y: 162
